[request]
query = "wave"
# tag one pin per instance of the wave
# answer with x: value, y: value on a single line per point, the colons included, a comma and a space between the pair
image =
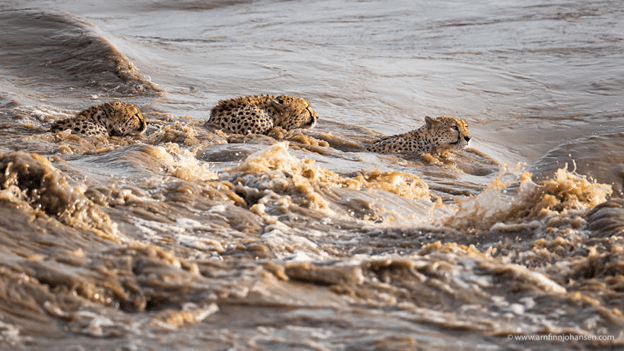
x: 60, y: 52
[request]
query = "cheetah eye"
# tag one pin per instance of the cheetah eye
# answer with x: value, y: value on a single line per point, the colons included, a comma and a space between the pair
x: 455, y: 128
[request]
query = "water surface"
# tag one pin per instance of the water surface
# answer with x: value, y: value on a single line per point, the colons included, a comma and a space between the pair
x: 185, y: 238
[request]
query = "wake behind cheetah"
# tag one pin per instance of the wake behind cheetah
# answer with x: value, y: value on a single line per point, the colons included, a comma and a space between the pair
x: 437, y: 136
x: 107, y: 119
x: 258, y: 114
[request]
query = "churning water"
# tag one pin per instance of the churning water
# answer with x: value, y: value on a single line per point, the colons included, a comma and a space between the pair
x: 190, y: 239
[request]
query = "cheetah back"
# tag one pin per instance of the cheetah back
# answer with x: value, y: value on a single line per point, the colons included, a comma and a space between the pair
x: 241, y: 119
x: 81, y: 124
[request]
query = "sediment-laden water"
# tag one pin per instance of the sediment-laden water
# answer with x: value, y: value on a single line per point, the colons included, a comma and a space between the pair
x: 192, y: 239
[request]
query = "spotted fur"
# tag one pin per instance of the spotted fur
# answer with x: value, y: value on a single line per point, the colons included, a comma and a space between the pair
x: 435, y: 137
x: 258, y: 114
x: 107, y: 119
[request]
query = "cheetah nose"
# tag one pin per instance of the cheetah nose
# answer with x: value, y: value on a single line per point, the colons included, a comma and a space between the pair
x: 467, y: 138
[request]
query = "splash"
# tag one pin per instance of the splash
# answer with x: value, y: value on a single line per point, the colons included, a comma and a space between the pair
x: 267, y: 176
x: 563, y: 195
x: 31, y: 181
x: 181, y: 163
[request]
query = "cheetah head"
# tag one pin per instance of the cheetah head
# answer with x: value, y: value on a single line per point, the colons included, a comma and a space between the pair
x: 294, y: 112
x: 126, y: 119
x: 446, y: 133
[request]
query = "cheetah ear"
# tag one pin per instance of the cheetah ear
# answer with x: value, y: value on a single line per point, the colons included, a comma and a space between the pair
x: 429, y: 121
x: 276, y: 104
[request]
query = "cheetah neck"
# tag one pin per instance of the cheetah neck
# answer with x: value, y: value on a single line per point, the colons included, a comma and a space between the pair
x: 101, y: 117
x: 264, y: 102
x: 422, y: 137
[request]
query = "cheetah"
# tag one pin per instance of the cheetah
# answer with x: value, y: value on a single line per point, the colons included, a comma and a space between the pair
x: 437, y: 136
x: 258, y: 114
x: 107, y: 119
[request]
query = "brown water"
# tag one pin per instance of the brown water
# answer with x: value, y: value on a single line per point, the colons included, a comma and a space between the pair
x: 193, y: 240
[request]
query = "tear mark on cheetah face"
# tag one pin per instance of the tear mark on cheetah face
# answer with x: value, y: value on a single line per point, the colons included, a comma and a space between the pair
x: 258, y: 114
x: 106, y: 119
x: 437, y: 136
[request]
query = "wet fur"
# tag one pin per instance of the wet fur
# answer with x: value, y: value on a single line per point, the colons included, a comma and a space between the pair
x: 435, y: 137
x: 107, y: 119
x: 259, y: 114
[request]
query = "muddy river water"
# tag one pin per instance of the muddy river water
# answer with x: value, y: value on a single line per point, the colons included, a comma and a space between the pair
x: 191, y: 239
